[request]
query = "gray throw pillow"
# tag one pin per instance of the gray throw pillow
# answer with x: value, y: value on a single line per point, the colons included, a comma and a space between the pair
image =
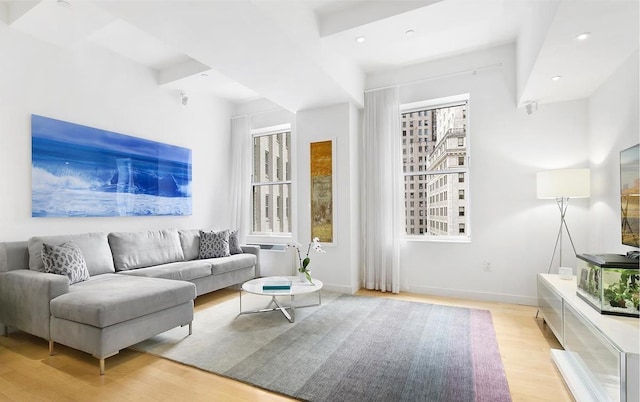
x: 214, y: 244
x: 65, y: 259
x: 234, y: 242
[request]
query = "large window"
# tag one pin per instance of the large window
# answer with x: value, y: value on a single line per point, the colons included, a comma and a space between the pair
x: 271, y: 192
x: 436, y: 162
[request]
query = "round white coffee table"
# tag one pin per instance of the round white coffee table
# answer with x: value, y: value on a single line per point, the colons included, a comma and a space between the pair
x: 278, y: 286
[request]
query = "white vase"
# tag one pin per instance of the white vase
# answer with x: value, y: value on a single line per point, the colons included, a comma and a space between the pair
x: 302, y: 277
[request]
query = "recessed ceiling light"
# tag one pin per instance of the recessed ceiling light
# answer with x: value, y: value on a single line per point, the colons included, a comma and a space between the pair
x: 64, y: 3
x: 583, y: 36
x: 556, y: 78
x: 360, y: 39
x: 410, y: 32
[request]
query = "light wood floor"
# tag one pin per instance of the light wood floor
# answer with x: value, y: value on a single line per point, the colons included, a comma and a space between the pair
x: 28, y: 373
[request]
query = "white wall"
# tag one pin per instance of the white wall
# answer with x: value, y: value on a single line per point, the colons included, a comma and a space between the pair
x: 613, y: 126
x: 338, y: 267
x: 94, y: 87
x: 510, y: 228
x: 262, y: 114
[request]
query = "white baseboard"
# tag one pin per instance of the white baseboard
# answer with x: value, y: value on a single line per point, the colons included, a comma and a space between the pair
x: 473, y: 295
x: 339, y: 289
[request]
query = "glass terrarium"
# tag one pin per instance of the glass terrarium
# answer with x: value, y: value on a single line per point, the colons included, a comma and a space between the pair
x: 610, y: 283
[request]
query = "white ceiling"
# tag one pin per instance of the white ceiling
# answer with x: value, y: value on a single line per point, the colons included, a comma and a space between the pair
x: 303, y: 53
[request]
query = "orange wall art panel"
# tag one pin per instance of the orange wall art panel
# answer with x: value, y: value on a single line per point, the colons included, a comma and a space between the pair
x: 322, y: 191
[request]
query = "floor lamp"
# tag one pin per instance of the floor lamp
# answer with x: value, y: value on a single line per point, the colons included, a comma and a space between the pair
x: 562, y: 185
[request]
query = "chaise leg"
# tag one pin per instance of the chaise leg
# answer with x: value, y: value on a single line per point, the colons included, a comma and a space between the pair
x: 5, y: 330
x: 102, y: 359
x: 51, y: 343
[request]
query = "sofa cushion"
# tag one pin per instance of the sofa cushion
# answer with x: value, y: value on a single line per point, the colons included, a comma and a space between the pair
x: 65, y: 259
x: 182, y: 270
x: 94, y: 248
x: 133, y: 250
x: 110, y: 299
x: 214, y: 244
x: 190, y: 242
x: 231, y: 263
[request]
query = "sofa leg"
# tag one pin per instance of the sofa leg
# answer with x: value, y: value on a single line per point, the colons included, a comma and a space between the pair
x: 102, y: 359
x: 5, y: 330
x: 51, y: 343
x: 190, y: 327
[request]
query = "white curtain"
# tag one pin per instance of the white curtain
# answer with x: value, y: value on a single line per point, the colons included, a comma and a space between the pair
x: 240, y: 175
x: 382, y: 190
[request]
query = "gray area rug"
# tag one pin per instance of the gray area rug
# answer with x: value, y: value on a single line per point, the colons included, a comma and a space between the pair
x: 351, y: 348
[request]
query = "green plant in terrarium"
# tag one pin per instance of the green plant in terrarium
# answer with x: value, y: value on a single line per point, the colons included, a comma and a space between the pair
x: 624, y: 293
x: 635, y: 299
x: 634, y: 289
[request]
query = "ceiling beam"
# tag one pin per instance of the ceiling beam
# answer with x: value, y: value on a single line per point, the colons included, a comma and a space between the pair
x: 17, y: 9
x: 355, y: 14
x: 237, y: 40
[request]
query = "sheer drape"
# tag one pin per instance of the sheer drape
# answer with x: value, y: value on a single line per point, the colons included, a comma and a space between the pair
x: 382, y: 190
x: 240, y: 175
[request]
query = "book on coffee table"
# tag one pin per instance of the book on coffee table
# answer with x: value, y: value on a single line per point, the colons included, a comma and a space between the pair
x: 277, y: 285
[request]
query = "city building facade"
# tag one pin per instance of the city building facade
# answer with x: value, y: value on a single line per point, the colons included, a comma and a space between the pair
x: 435, y: 165
x: 271, y: 183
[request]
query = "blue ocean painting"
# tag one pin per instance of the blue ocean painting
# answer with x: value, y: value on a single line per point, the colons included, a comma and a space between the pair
x: 83, y: 171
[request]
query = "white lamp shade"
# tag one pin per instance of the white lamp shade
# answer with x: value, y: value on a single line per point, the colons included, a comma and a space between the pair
x: 567, y: 183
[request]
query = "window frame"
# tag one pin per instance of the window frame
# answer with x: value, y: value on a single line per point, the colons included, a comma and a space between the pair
x: 272, y: 237
x: 453, y: 171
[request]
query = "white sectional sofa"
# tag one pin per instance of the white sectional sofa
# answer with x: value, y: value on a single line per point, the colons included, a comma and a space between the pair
x: 140, y: 284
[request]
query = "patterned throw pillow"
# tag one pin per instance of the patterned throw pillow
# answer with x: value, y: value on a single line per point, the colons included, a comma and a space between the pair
x: 214, y: 244
x: 65, y: 259
x: 234, y: 243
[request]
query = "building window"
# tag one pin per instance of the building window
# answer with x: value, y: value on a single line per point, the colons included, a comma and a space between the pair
x: 271, y: 193
x: 439, y: 172
x: 267, y: 164
x: 287, y: 208
x: 279, y: 207
x: 267, y: 199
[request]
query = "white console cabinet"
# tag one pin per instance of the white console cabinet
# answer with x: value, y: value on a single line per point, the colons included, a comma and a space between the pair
x: 601, y: 356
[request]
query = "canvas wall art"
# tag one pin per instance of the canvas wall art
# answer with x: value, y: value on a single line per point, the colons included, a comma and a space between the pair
x: 630, y: 195
x: 322, y: 191
x: 83, y: 171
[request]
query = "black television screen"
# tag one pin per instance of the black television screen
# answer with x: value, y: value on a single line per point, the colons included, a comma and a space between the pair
x: 630, y: 195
